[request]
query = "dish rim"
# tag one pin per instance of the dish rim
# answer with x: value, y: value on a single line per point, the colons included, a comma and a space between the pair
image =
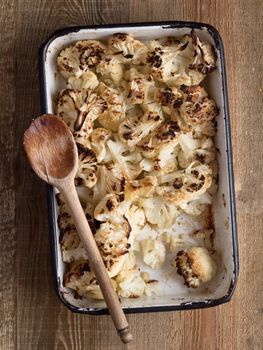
x: 52, y: 220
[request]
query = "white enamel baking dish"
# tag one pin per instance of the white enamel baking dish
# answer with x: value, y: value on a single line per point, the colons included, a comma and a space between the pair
x: 175, y: 296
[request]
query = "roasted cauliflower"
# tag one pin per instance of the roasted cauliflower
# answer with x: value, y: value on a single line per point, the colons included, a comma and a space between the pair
x: 198, y: 111
x: 115, y: 108
x: 79, y: 109
x: 195, y: 265
x: 87, y: 167
x: 128, y: 48
x: 143, y: 124
x: 80, y: 57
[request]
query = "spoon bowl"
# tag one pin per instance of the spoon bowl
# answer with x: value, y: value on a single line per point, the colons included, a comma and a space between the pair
x: 51, y: 149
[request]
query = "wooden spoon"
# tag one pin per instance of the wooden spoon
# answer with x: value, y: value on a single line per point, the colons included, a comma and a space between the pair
x: 53, y: 155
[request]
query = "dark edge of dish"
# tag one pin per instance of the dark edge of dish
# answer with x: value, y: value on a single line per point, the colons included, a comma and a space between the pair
x: 51, y: 205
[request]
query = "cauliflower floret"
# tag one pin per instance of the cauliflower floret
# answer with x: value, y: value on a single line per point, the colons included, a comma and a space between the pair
x: 109, y: 209
x: 170, y: 98
x: 188, y: 146
x: 195, y: 149
x: 136, y: 218
x: 196, y: 206
x: 80, y: 278
x: 128, y: 161
x: 133, y: 130
x: 159, y: 212
x: 80, y: 57
x: 87, y: 167
x: 170, y: 64
x: 204, y: 237
x: 195, y: 265
x: 112, y: 240
x: 111, y: 68
x: 198, y: 111
x: 114, y: 112
x: 153, y: 253
x: 181, y: 62
x: 129, y: 49
x: 151, y: 285
x: 185, y: 185
x: 140, y: 90
x: 65, y: 222
x: 111, y: 179
x: 99, y: 137
x: 141, y: 188
x: 79, y: 109
x: 68, y: 62
x: 205, y: 56
x: 164, y: 135
x: 87, y: 80
x: 130, y: 284
x: 166, y: 160
x: 71, y: 245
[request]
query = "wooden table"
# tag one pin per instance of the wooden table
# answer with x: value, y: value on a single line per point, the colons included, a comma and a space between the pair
x: 31, y: 315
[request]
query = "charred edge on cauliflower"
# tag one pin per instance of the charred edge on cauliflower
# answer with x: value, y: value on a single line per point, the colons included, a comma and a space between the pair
x: 87, y: 157
x: 168, y: 131
x: 90, y: 55
x: 120, y: 36
x: 177, y: 184
x: 78, y: 270
x: 154, y: 58
x: 168, y: 98
x: 204, y: 68
x: 190, y: 278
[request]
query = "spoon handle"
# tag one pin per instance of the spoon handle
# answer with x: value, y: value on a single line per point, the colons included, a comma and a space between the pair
x: 71, y: 198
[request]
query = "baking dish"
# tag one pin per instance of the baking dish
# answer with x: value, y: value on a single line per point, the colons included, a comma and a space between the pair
x: 221, y: 288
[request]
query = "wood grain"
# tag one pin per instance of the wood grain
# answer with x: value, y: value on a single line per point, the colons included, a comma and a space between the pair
x: 31, y: 315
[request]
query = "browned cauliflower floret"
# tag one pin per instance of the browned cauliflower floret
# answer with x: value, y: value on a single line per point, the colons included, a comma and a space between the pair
x: 130, y: 283
x: 79, y: 109
x: 128, y: 48
x: 170, y: 98
x: 99, y: 137
x: 80, y: 278
x: 170, y: 64
x: 141, y: 188
x: 112, y: 241
x: 185, y: 185
x: 87, y: 80
x: 109, y: 209
x: 80, y: 57
x: 195, y: 265
x: 111, y: 68
x: 114, y: 113
x: 205, y: 56
x: 185, y: 61
x: 192, y: 148
x: 160, y: 148
x: 111, y: 179
x: 71, y: 245
x: 127, y: 160
x: 87, y: 167
x: 133, y: 130
x: 139, y: 90
x: 198, y: 111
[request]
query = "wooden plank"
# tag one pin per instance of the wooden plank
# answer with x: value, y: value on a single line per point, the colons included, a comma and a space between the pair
x: 7, y: 180
x: 31, y: 315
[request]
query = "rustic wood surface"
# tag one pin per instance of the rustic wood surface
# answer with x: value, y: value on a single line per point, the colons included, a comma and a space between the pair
x: 31, y: 316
